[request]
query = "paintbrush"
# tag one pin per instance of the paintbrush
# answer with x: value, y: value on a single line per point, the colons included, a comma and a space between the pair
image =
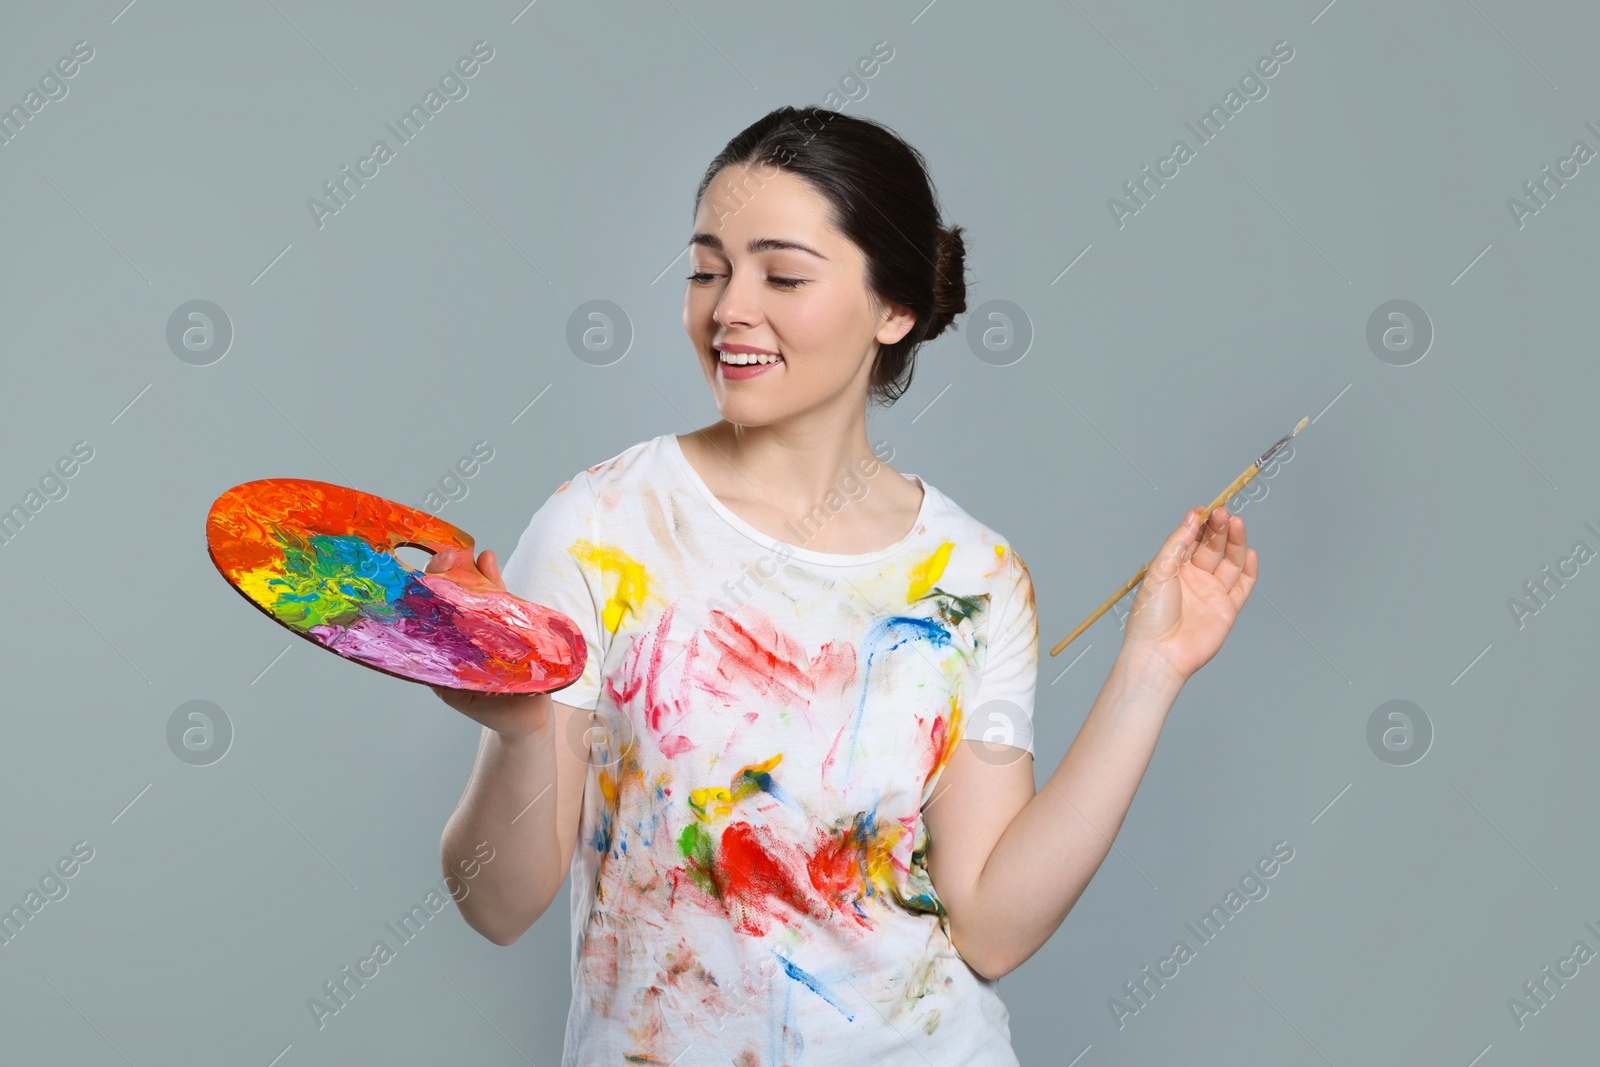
x: 1205, y: 515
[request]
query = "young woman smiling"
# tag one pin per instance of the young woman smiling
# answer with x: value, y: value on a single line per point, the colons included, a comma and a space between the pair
x: 802, y: 826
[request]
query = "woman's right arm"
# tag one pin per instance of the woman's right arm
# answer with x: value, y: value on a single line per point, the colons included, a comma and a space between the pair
x: 523, y: 801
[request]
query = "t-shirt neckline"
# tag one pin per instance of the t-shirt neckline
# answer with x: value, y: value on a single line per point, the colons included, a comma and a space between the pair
x: 827, y: 559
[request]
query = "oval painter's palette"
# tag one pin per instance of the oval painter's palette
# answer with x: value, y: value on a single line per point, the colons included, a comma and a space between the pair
x: 319, y: 559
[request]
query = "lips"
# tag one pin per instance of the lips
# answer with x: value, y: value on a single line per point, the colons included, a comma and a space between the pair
x: 740, y: 355
x: 740, y: 371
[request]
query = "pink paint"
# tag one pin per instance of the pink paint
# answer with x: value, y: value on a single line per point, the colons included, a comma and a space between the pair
x: 674, y: 746
x: 638, y: 683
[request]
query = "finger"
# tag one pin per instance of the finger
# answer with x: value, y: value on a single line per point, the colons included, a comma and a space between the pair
x: 490, y: 567
x: 1175, y: 550
x: 1247, y: 580
x: 1215, y: 541
x: 1232, y: 564
x: 440, y: 561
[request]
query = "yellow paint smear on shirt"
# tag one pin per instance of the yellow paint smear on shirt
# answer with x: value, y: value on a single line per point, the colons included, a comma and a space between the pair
x: 712, y: 802
x: 624, y: 575
x: 924, y: 574
x: 876, y: 860
x: 708, y: 804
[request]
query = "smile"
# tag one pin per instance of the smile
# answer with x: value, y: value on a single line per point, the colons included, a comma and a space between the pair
x: 737, y: 366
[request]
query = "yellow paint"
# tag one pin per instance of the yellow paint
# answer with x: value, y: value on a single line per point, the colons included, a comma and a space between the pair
x: 713, y: 802
x: 924, y: 574
x: 880, y: 857
x: 760, y: 768
x: 257, y: 584
x: 744, y: 782
x: 708, y: 804
x: 623, y: 575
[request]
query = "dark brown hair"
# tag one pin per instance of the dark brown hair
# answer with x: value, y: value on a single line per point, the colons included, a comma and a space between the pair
x: 880, y: 197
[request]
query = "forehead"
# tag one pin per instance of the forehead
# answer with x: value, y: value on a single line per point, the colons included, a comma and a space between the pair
x: 744, y: 202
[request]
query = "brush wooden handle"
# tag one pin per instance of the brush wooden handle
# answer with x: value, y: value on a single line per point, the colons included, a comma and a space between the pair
x: 1205, y: 516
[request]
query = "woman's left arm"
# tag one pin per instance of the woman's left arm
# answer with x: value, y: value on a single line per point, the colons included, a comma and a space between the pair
x: 1009, y: 864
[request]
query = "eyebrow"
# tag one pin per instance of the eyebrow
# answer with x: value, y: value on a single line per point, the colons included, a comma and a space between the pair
x: 758, y: 244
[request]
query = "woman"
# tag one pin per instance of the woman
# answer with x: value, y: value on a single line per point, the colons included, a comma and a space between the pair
x: 788, y: 644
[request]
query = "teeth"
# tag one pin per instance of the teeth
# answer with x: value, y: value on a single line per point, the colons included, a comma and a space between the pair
x: 741, y: 358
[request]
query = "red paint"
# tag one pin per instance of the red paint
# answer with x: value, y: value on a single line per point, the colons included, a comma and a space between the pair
x: 835, y: 870
x: 755, y: 654
x: 938, y: 738
x: 755, y: 871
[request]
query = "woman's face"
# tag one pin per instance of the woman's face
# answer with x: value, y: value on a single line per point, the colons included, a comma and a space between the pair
x: 770, y: 273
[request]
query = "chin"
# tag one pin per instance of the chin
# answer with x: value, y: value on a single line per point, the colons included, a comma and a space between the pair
x: 744, y: 413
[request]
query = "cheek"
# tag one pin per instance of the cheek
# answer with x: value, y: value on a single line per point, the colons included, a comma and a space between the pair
x: 828, y: 337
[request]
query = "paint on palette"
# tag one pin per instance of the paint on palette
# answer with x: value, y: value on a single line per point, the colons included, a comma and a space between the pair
x: 319, y: 559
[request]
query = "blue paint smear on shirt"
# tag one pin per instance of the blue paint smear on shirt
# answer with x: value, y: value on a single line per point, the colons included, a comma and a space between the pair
x: 886, y: 636
x: 811, y: 982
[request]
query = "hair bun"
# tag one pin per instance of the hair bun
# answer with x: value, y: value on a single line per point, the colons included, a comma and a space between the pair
x: 950, y: 284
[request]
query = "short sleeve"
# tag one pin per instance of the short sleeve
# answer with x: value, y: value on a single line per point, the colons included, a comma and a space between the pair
x: 547, y: 567
x: 1002, y: 710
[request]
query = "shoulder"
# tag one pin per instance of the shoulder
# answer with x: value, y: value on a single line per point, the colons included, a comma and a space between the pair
x: 968, y: 557
x: 606, y: 478
x: 639, y: 460
x: 572, y: 504
x: 975, y: 541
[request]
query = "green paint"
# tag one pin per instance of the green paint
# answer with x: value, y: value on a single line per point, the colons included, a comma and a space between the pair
x: 699, y: 849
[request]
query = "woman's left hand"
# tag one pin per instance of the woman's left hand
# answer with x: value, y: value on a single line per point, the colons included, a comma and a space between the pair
x: 1191, y: 593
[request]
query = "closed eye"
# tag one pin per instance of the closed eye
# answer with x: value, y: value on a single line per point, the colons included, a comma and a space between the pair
x: 788, y: 284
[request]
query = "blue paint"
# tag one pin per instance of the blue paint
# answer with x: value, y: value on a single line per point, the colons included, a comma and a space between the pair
x: 886, y: 636
x: 764, y: 781
x: 349, y: 557
x: 811, y: 983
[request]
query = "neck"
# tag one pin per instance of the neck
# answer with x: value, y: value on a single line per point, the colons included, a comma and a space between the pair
x: 792, y: 466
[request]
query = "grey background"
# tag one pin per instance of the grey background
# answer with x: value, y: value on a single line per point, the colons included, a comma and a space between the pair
x: 430, y: 311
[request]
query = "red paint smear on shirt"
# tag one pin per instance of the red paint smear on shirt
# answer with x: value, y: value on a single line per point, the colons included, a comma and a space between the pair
x: 774, y: 665
x: 938, y: 738
x: 755, y: 872
x: 835, y: 870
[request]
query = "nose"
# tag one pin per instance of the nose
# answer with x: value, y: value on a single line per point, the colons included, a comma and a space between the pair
x: 735, y: 307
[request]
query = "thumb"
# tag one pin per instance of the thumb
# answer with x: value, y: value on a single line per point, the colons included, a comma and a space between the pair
x: 441, y: 560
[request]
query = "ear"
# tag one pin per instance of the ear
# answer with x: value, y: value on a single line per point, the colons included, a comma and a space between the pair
x: 896, y: 325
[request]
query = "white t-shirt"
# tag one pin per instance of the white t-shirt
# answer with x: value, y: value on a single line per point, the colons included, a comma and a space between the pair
x: 748, y: 884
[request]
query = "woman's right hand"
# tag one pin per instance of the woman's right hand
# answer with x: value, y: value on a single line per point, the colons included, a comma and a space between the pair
x: 511, y: 715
